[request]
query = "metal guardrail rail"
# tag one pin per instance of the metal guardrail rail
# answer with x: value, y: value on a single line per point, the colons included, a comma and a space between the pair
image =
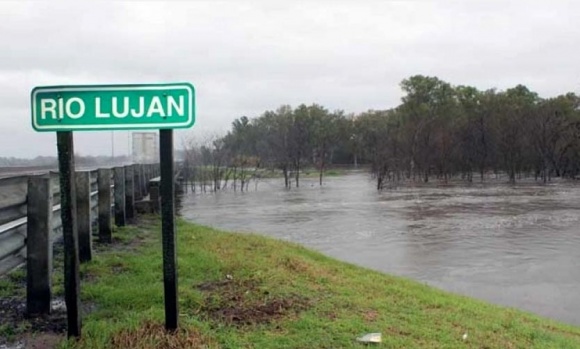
x: 13, y: 209
x: 13, y: 231
x: 13, y: 215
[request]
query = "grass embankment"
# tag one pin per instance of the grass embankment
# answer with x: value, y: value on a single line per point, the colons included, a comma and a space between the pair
x: 247, y: 291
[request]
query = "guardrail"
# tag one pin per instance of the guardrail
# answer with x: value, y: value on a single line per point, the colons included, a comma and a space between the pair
x: 119, y: 190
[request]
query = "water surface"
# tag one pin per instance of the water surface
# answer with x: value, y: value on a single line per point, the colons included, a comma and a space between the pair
x: 511, y: 245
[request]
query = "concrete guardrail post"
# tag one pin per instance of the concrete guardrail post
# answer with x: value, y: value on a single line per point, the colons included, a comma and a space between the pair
x: 137, y: 182
x: 84, y: 219
x: 104, y: 187
x: 148, y: 176
x: 39, y: 246
x: 129, y: 194
x: 143, y: 180
x: 154, y: 196
x: 119, y: 175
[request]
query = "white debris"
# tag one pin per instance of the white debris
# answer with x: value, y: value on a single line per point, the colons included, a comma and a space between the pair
x: 465, y: 336
x: 58, y: 305
x: 370, y: 338
x: 17, y: 345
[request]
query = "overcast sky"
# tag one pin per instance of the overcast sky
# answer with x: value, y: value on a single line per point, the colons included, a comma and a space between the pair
x: 248, y: 57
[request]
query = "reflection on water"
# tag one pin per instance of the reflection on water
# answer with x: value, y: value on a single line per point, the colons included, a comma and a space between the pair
x: 517, y: 246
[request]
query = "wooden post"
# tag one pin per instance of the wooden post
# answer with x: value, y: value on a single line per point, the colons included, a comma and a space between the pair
x: 167, y: 190
x: 84, y: 221
x: 129, y: 194
x: 66, y: 166
x: 119, y: 174
x: 104, y: 185
x: 39, y: 246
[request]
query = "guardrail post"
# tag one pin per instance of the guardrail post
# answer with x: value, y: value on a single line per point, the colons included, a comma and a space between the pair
x: 147, y: 178
x: 143, y: 180
x: 129, y: 194
x: 137, y: 182
x: 119, y: 175
x: 39, y: 246
x: 84, y: 221
x: 154, y: 196
x: 104, y: 184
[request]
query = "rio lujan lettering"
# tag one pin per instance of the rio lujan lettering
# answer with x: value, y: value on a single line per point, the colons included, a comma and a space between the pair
x: 113, y: 107
x: 117, y: 107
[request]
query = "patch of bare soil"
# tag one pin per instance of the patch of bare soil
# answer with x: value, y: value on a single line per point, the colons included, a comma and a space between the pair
x: 118, y: 244
x: 42, y: 341
x: 29, y: 330
x: 245, y: 303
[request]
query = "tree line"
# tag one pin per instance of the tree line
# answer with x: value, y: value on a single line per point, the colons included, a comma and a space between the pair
x: 438, y: 131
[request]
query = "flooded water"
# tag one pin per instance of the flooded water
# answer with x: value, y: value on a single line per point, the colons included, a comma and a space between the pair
x: 512, y: 245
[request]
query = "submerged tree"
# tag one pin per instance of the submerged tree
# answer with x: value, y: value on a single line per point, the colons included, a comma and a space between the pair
x: 438, y: 131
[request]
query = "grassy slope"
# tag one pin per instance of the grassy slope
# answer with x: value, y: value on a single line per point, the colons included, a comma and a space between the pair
x: 326, y: 303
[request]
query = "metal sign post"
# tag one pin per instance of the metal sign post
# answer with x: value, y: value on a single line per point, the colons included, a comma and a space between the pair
x: 167, y: 192
x: 68, y: 214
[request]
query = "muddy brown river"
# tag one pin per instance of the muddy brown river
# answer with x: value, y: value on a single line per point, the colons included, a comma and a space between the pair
x: 512, y: 245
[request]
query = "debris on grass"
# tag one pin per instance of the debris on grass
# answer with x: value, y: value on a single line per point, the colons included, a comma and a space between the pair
x: 370, y: 338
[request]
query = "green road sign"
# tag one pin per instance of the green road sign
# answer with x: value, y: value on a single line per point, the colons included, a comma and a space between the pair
x: 113, y: 107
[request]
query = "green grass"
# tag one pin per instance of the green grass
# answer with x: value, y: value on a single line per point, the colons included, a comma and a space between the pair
x: 12, y: 284
x: 322, y: 303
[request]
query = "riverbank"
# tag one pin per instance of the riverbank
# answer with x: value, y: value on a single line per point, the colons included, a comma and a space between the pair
x: 239, y: 291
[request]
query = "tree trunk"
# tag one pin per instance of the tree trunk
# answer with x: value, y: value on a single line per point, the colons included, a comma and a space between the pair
x: 235, y: 178
x: 321, y: 169
x: 297, y: 173
x: 242, y: 179
x: 286, y: 179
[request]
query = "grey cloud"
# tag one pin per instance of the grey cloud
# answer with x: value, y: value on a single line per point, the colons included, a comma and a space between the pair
x: 249, y: 57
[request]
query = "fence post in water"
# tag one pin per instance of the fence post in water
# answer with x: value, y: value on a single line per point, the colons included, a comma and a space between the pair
x: 84, y: 221
x: 104, y: 185
x: 129, y: 194
x: 39, y: 246
x: 119, y: 174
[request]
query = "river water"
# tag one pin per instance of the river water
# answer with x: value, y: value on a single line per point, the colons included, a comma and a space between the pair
x: 512, y: 245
